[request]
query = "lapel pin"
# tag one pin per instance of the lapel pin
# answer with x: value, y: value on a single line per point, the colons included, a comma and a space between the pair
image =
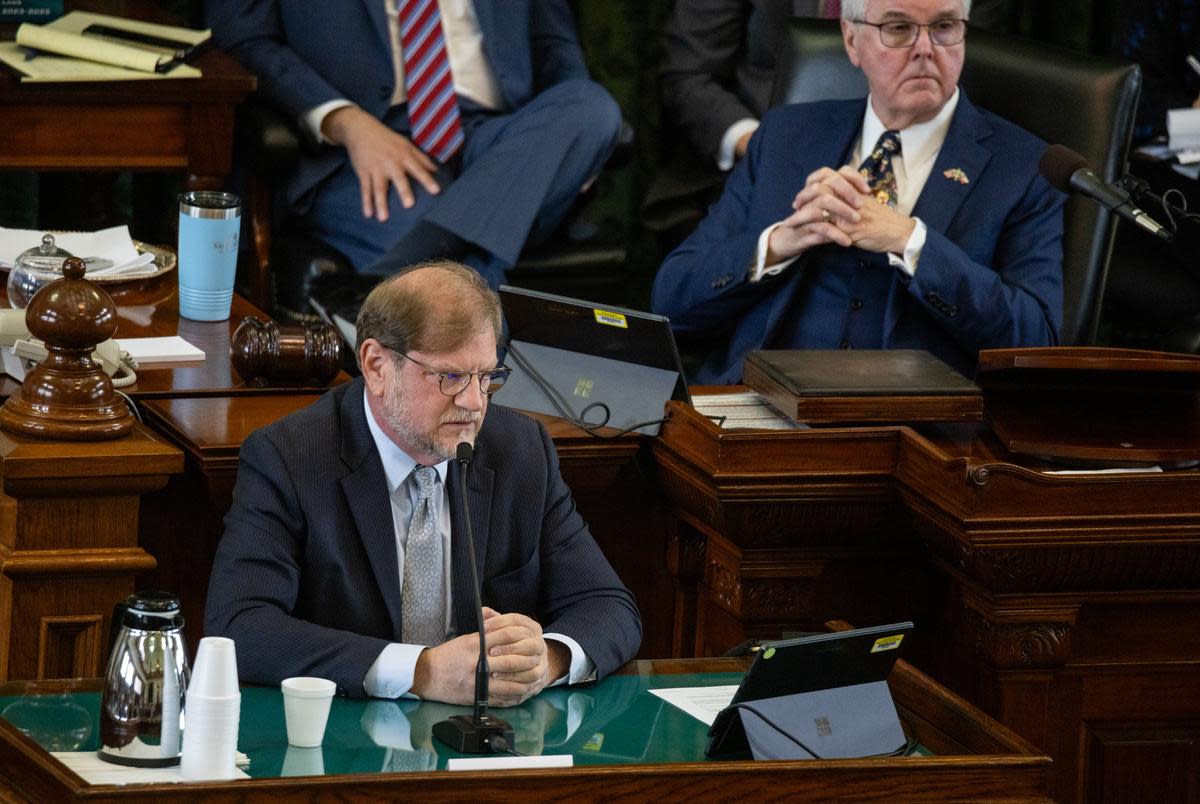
x: 956, y: 174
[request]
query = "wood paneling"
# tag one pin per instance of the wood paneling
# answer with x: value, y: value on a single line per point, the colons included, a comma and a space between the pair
x: 68, y: 545
x: 1058, y: 603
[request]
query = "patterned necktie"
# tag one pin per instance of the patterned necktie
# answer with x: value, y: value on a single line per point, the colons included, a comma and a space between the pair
x: 424, y: 600
x: 877, y: 168
x: 432, y: 104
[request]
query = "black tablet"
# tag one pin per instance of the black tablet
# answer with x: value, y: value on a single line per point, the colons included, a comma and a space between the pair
x: 793, y: 676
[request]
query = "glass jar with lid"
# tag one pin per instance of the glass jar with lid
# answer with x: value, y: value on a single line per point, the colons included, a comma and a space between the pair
x: 34, y: 269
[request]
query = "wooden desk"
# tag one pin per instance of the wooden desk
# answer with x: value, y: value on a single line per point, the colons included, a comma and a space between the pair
x: 168, y: 124
x: 975, y: 758
x: 1063, y: 605
x: 69, y: 547
x: 69, y: 544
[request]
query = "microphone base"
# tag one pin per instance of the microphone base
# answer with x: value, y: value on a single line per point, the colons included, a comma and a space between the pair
x: 468, y: 735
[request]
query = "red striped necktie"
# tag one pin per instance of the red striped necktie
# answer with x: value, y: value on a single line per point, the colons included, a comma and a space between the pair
x: 432, y: 104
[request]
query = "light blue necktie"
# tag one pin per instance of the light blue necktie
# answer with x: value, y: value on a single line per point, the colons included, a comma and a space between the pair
x: 424, y: 600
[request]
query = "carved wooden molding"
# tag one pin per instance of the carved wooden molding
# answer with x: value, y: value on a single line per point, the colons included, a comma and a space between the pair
x: 1021, y: 645
x: 120, y: 560
x: 69, y: 646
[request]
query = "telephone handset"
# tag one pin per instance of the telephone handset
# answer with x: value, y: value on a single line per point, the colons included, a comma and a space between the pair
x: 21, y: 351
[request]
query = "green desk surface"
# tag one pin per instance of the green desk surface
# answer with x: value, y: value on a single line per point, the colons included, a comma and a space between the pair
x: 615, y: 721
x: 627, y: 744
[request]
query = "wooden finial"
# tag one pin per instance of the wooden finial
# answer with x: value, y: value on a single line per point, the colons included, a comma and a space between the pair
x: 67, y: 396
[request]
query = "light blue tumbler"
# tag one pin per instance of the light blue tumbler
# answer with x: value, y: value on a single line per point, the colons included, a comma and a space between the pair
x: 209, y: 223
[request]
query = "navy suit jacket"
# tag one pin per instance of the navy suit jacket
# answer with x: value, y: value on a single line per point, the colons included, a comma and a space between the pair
x: 306, y: 576
x: 307, y: 52
x: 990, y: 274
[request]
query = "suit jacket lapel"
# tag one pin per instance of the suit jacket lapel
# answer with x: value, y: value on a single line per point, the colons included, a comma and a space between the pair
x: 963, y: 156
x: 377, y: 11
x: 368, y: 497
x: 479, y: 501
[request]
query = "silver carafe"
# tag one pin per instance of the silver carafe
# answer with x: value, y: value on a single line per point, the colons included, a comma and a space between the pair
x: 144, y: 688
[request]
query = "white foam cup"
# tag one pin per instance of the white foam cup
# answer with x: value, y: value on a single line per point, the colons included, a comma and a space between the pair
x: 306, y: 703
x: 215, y: 673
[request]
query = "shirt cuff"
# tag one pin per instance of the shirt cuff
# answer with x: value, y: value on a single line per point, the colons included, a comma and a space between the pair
x: 726, y: 156
x: 760, y: 268
x: 907, y: 262
x: 582, y: 667
x: 313, y: 118
x: 392, y: 673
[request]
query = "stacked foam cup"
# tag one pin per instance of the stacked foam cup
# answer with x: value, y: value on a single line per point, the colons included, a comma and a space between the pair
x: 211, y: 713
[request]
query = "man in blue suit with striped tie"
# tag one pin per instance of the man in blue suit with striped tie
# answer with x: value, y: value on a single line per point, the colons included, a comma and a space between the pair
x: 909, y: 219
x: 444, y: 128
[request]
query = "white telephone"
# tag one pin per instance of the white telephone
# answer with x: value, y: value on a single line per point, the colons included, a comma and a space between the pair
x: 20, y: 352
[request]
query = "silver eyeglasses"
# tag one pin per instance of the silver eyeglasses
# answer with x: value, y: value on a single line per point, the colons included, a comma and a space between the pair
x: 453, y: 383
x: 902, y: 33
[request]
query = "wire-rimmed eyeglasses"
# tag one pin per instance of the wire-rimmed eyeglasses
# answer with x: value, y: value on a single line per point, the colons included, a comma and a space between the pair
x: 903, y: 33
x: 453, y: 383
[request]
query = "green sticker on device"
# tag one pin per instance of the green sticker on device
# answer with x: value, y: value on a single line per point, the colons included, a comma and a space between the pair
x: 768, y: 653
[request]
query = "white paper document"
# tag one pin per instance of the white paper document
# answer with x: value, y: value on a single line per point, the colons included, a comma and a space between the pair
x: 94, y: 770
x: 1183, y: 128
x: 743, y: 410
x: 702, y: 703
x: 169, y: 349
x: 109, y: 252
x: 509, y: 762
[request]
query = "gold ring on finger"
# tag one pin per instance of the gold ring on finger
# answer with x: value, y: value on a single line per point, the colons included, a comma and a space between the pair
x: 825, y: 216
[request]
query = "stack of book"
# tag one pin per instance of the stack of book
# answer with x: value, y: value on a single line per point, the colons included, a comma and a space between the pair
x: 82, y: 46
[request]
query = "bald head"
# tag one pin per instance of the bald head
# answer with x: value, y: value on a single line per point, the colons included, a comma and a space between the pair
x: 430, y: 307
x: 857, y: 9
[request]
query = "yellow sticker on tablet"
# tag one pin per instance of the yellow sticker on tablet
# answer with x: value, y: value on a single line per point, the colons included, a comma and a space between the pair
x: 768, y: 653
x: 611, y: 319
x: 887, y: 643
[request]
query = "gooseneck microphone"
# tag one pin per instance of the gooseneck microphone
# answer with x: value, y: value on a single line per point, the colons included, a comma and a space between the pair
x: 1067, y: 171
x: 479, y: 732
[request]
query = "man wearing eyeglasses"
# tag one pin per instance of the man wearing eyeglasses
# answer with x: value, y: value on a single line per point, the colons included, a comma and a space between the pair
x: 909, y: 219
x: 344, y: 557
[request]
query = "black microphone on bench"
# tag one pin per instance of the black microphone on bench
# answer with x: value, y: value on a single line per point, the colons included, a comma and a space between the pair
x: 479, y: 732
x: 1069, y: 172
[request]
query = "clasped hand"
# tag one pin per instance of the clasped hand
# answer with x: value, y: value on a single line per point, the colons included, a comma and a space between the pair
x: 521, y: 662
x: 837, y: 206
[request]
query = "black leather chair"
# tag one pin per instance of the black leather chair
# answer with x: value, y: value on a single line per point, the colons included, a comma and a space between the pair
x: 285, y: 261
x: 1083, y: 102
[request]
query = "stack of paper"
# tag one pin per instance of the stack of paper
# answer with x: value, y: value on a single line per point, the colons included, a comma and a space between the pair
x: 108, y: 252
x: 82, y: 46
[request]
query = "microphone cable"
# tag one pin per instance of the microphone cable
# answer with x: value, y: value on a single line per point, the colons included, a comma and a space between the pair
x: 500, y: 745
x: 1172, y: 202
x: 561, y: 406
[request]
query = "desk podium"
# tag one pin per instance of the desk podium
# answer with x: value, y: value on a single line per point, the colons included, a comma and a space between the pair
x: 1063, y: 605
x: 629, y: 745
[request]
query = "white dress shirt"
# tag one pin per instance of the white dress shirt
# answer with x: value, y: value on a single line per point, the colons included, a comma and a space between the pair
x: 920, y: 145
x: 391, y: 675
x: 473, y: 76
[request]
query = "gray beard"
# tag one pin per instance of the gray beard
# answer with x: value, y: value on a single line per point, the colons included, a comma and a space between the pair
x: 400, y: 420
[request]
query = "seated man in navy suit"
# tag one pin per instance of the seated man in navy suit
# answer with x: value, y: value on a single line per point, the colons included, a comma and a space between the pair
x: 344, y: 553
x: 910, y: 219
x: 446, y: 128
